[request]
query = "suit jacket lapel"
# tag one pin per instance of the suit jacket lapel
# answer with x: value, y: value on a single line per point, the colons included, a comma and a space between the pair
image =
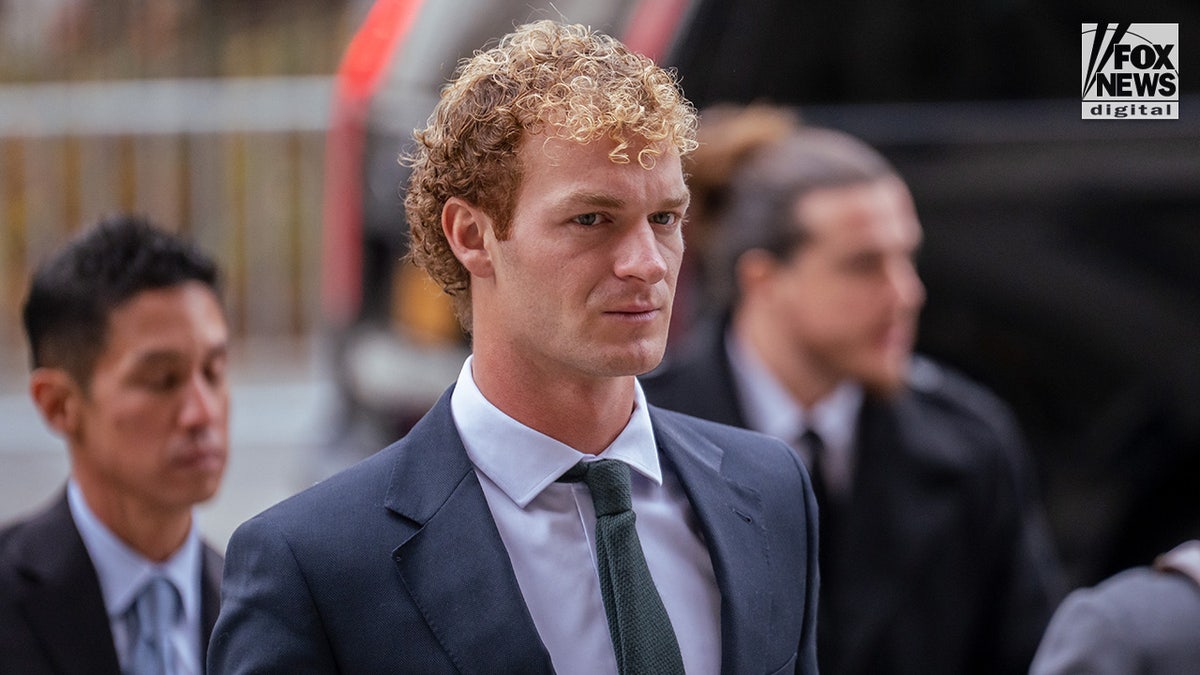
x: 62, y: 598
x: 729, y: 514
x: 454, y: 563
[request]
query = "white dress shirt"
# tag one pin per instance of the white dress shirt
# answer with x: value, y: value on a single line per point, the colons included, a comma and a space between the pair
x: 548, y: 529
x: 771, y: 409
x: 123, y: 572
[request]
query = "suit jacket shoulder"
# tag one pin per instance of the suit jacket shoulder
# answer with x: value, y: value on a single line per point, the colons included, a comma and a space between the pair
x: 940, y: 390
x: 1142, y: 620
x: 393, y: 565
x: 396, y: 565
x: 51, y: 605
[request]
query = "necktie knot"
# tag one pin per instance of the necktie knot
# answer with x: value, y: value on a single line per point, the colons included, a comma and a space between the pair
x: 812, y: 440
x: 608, y: 480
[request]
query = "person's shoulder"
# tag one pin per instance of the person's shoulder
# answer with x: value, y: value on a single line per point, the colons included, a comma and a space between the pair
x: 738, y: 450
x: 717, y: 432
x: 1143, y: 619
x: 333, y: 498
x: 1142, y: 599
x: 937, y: 387
x: 16, y: 536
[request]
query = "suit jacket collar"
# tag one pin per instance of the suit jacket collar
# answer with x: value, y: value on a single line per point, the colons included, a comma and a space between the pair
x: 475, y: 607
x: 729, y: 512
x: 452, y: 561
x: 62, y: 599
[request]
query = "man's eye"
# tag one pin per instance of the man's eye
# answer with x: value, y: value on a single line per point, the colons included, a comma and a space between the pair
x: 663, y: 218
x: 162, y: 382
x: 215, y: 372
x: 587, y: 218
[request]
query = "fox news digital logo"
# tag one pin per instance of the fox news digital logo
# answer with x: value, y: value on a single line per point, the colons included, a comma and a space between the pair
x: 1130, y: 71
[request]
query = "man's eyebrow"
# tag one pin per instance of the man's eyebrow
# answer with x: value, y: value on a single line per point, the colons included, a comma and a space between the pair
x: 159, y: 357
x: 679, y: 201
x: 610, y: 201
x: 597, y: 199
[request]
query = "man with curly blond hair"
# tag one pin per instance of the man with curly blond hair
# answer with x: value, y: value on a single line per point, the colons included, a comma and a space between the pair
x: 542, y: 517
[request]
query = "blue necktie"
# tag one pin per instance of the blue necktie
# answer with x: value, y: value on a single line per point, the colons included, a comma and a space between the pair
x: 641, y: 631
x: 151, y: 618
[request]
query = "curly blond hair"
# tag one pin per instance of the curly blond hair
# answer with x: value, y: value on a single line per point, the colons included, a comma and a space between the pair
x: 565, y: 81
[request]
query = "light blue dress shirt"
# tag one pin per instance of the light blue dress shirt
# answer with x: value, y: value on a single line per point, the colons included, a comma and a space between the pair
x: 123, y: 572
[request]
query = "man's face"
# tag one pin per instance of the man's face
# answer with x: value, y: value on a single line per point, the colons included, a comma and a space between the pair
x: 849, y: 298
x: 153, y: 425
x: 586, y: 278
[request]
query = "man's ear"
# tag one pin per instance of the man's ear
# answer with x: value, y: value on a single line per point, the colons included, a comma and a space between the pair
x: 58, y: 397
x: 753, y: 269
x: 465, y: 226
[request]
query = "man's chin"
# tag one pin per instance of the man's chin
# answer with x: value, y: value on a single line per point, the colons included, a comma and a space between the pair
x: 637, y: 361
x: 886, y: 382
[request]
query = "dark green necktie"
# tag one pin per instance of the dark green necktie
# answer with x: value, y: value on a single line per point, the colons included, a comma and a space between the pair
x: 641, y: 630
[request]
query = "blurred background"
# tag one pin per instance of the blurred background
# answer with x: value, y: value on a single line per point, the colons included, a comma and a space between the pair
x: 210, y: 116
x: 1060, y: 254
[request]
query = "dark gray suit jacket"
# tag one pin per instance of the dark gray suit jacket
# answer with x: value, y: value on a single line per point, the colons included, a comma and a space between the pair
x: 52, y: 615
x: 396, y: 566
x: 1143, y: 620
x: 941, y: 562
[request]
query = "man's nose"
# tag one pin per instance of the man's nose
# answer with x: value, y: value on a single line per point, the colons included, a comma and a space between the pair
x: 906, y: 284
x: 203, y: 401
x: 640, y: 255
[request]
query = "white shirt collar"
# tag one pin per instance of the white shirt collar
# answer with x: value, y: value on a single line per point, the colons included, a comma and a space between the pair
x: 522, y: 461
x: 767, y: 404
x: 770, y: 408
x: 123, y: 572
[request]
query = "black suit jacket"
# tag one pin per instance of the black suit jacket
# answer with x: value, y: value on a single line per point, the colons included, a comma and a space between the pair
x: 396, y: 566
x: 52, y: 615
x: 941, y: 562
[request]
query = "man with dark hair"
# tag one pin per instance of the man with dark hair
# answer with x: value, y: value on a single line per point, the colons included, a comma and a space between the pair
x: 128, y: 341
x: 934, y: 557
x: 499, y: 536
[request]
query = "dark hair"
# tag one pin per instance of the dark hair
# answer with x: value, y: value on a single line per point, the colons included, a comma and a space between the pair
x: 759, y: 211
x: 73, y: 292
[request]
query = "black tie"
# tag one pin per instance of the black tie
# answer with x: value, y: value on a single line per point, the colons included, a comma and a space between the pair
x: 816, y: 470
x: 642, y: 636
x: 817, y: 457
x: 811, y: 441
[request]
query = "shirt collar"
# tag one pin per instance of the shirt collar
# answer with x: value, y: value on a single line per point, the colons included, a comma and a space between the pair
x: 522, y: 461
x: 771, y: 409
x: 123, y: 571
